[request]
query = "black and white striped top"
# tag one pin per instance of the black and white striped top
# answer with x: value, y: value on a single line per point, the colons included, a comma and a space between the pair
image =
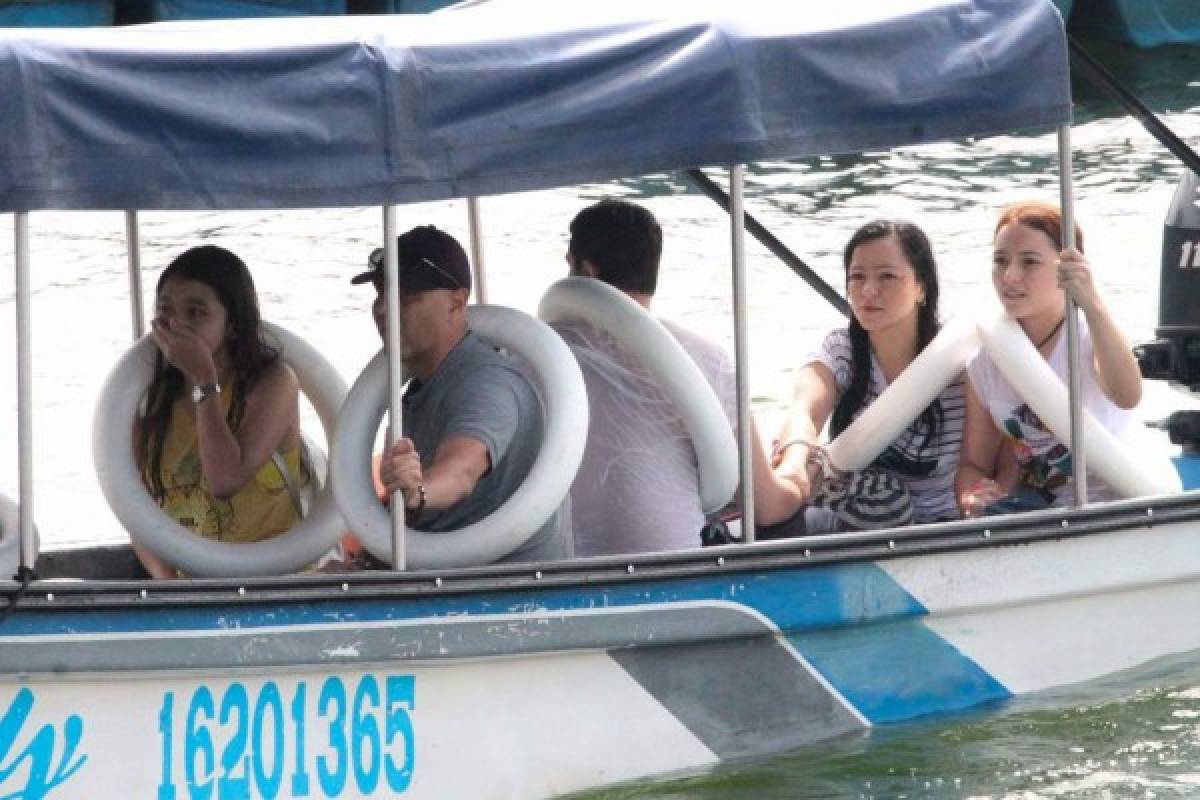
x: 926, y: 464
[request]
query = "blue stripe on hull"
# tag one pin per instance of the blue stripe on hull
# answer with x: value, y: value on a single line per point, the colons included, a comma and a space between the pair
x: 897, y: 670
x: 853, y: 625
x: 1188, y: 467
x: 792, y: 599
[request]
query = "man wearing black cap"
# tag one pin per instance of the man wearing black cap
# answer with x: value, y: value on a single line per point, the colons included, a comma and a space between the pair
x: 472, y: 421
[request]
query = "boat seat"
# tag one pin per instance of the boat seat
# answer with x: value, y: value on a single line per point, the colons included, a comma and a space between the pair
x: 115, y: 562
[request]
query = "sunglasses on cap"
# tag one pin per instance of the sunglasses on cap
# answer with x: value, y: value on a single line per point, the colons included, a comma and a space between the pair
x: 375, y: 260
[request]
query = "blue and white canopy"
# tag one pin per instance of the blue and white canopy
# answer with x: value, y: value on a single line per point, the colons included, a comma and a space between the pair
x: 503, y: 96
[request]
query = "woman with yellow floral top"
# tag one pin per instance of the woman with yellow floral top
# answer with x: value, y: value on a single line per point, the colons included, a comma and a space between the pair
x: 218, y: 441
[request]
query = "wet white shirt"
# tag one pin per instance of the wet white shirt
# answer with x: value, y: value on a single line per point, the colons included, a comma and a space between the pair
x: 638, y: 487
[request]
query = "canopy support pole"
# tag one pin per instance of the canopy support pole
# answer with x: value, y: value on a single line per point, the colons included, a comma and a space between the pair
x: 24, y: 393
x: 476, y: 227
x: 133, y: 251
x: 737, y: 221
x: 392, y: 346
x: 1074, y: 389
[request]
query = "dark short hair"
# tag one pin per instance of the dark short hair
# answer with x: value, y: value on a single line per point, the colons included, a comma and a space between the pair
x: 622, y: 240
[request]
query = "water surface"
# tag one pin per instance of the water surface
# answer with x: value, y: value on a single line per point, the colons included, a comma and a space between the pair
x: 1136, y: 735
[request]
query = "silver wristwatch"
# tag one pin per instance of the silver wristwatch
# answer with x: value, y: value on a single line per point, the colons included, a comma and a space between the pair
x: 204, y: 390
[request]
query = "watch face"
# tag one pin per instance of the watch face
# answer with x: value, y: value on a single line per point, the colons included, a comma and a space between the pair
x: 197, y: 394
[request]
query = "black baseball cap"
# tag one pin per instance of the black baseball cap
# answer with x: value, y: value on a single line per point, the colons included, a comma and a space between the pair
x: 428, y: 258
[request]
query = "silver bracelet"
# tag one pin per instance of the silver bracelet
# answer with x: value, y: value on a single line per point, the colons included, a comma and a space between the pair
x: 778, y: 449
x: 421, y: 498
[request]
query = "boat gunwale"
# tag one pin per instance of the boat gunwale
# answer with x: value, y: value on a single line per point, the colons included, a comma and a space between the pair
x: 603, y: 571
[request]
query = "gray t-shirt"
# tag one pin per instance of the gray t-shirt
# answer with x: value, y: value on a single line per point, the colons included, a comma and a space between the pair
x: 480, y: 393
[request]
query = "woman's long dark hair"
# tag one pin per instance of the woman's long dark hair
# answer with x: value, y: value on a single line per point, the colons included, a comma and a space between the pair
x: 919, y: 253
x: 249, y: 353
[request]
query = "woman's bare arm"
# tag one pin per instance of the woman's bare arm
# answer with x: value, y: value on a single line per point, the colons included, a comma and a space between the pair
x: 812, y: 403
x: 1116, y: 368
x: 270, y: 419
x: 975, y: 483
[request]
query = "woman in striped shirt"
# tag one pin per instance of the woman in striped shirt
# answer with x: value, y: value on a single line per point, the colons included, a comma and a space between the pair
x: 892, y: 286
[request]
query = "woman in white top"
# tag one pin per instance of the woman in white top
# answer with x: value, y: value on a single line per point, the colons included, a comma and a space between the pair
x: 1030, y: 275
x: 892, y: 286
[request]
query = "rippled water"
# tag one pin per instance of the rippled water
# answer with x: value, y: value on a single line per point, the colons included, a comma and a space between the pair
x: 1136, y: 735
x: 1132, y: 737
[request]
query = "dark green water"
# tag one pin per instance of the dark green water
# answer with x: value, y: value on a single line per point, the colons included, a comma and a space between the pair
x: 1135, y: 735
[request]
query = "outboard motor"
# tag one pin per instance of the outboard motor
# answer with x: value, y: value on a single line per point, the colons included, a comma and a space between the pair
x: 1175, y: 355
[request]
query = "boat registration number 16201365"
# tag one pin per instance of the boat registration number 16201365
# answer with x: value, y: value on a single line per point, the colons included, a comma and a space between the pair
x: 322, y: 740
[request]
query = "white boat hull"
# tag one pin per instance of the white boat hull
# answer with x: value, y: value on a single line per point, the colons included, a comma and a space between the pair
x: 488, y: 683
